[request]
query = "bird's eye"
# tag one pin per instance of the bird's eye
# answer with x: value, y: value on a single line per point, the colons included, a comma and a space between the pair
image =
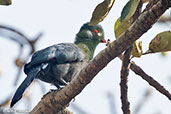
x: 96, y: 31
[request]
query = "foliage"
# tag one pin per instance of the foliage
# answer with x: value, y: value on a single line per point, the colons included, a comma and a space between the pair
x: 5, y: 2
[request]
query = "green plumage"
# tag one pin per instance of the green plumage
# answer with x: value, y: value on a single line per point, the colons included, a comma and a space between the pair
x: 88, y: 38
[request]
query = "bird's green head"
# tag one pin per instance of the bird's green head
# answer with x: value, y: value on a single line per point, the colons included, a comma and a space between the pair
x: 90, y: 34
x: 89, y: 37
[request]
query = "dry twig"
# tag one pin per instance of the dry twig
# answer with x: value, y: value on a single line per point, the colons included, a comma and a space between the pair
x: 124, y: 80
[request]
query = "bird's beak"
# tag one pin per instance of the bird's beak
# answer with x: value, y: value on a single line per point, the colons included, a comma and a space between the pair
x: 103, y: 40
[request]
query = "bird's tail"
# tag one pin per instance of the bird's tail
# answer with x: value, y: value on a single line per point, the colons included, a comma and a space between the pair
x: 27, y: 68
x: 28, y: 80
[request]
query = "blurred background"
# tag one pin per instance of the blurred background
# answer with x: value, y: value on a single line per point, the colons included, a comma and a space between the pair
x: 58, y: 21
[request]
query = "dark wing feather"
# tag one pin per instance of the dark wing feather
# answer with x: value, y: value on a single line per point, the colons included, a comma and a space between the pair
x: 60, y: 53
x: 68, y: 53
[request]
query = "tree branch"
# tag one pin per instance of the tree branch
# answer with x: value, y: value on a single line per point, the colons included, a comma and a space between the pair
x: 137, y: 70
x: 150, y: 4
x: 124, y: 80
x: 56, y: 101
x: 150, y: 80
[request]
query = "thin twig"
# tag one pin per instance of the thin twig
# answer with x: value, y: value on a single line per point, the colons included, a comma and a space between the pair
x: 150, y: 80
x: 125, y: 69
x: 124, y: 80
x: 137, y: 70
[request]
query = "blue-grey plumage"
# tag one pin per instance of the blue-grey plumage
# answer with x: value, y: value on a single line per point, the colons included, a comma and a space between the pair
x: 60, y: 58
x: 59, y: 63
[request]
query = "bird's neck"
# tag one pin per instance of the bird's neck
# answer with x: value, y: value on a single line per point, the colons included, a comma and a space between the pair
x: 88, y: 48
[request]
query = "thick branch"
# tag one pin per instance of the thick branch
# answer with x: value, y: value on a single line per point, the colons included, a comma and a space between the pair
x: 54, y: 102
x: 124, y: 80
x: 150, y: 4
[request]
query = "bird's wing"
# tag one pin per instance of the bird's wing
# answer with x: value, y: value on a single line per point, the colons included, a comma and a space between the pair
x: 18, y: 94
x: 60, y: 53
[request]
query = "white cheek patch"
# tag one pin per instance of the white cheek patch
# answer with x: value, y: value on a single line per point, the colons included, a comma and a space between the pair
x: 89, y: 34
x: 99, y: 34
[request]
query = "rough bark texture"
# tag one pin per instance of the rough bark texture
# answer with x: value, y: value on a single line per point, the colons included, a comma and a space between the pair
x: 150, y: 80
x: 55, y: 102
x: 124, y: 81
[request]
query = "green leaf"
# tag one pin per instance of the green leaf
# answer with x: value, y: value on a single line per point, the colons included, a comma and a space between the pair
x: 129, y: 9
x: 161, y: 42
x: 5, y: 2
x: 120, y: 27
x: 101, y: 11
x: 126, y: 10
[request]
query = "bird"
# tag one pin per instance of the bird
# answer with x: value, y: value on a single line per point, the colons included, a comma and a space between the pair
x: 59, y: 63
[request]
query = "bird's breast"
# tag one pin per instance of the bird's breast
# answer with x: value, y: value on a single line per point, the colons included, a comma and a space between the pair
x: 54, y: 72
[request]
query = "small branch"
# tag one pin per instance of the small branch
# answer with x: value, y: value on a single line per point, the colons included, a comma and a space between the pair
x: 137, y: 70
x: 125, y: 69
x: 124, y: 80
x: 150, y: 80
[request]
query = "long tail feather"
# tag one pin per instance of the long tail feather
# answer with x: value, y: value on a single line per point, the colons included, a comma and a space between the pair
x: 28, y: 80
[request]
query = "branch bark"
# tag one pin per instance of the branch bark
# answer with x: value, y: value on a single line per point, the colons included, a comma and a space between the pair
x: 124, y: 80
x: 137, y: 70
x: 151, y: 81
x: 57, y: 101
